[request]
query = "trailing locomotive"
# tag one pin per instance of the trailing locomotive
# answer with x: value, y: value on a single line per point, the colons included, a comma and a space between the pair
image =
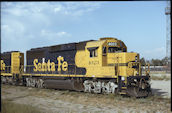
x: 98, y: 66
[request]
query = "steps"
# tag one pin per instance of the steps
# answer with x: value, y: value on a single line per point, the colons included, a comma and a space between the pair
x: 123, y: 91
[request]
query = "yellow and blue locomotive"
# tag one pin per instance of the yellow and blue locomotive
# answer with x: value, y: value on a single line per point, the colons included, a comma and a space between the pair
x: 98, y: 66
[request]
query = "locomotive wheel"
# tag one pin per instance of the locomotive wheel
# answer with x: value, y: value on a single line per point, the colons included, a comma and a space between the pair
x: 137, y: 92
x: 140, y: 88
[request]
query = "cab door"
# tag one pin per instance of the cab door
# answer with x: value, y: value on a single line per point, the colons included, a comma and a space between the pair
x: 93, y: 61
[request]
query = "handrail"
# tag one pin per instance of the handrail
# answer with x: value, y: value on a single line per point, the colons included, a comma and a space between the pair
x: 147, y: 71
x: 139, y: 68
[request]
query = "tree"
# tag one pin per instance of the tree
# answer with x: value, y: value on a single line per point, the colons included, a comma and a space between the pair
x: 142, y: 61
x: 156, y: 62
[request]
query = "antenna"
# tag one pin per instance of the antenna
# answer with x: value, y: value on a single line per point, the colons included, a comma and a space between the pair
x: 168, y: 32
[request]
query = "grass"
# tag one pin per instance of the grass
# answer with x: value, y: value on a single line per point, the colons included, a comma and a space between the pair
x: 11, y: 107
x: 156, y: 72
x: 162, y: 77
x: 98, y: 100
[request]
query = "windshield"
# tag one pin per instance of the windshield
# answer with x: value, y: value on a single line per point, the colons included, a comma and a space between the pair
x: 114, y: 49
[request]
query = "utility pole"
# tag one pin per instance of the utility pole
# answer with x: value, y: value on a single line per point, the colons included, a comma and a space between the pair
x: 168, y: 33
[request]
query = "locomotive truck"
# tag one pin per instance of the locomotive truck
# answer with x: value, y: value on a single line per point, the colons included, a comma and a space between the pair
x: 97, y: 66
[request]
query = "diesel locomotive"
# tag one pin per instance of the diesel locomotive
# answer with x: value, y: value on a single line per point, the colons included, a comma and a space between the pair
x: 97, y: 66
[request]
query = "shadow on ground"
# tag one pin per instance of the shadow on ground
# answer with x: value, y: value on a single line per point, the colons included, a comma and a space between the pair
x: 158, y: 92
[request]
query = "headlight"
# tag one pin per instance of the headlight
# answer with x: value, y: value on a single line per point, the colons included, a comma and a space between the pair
x: 122, y: 78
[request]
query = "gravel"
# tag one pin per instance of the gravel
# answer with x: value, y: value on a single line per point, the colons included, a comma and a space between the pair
x: 57, y: 101
x: 161, y: 88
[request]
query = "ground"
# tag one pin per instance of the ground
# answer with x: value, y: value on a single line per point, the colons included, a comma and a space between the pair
x: 64, y: 101
x: 161, y: 88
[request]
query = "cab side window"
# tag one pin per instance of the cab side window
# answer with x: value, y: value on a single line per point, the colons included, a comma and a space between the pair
x: 93, y: 52
x: 124, y: 50
x: 104, y: 50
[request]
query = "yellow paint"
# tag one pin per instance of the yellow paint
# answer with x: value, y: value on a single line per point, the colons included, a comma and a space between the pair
x: 50, y: 66
x: 35, y: 64
x: 6, y: 74
x: 17, y: 62
x: 2, y: 65
x: 64, y: 75
x: 106, y: 64
x: 64, y: 66
x: 80, y: 59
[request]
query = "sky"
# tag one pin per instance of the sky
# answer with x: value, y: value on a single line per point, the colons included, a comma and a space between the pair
x: 141, y: 25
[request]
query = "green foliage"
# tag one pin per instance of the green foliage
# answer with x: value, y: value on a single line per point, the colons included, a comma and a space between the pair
x: 155, y: 62
x: 142, y: 61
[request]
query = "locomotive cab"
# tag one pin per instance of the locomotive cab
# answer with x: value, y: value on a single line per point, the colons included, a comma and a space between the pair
x: 115, y: 53
x: 109, y: 57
